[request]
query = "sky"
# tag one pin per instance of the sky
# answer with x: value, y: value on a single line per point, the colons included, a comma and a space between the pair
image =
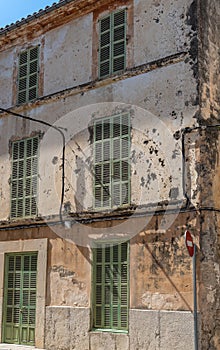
x: 13, y: 10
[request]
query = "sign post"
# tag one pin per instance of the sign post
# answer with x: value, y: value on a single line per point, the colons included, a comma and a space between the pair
x: 192, y: 252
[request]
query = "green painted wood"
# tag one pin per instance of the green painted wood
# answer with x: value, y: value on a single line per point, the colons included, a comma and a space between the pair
x: 112, y: 43
x: 111, y: 162
x: 28, y: 71
x: 111, y: 286
x: 24, y: 177
x: 20, y: 298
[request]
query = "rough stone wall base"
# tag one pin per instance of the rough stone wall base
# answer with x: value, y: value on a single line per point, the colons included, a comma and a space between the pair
x: 68, y: 328
x: 108, y: 341
x: 161, y: 330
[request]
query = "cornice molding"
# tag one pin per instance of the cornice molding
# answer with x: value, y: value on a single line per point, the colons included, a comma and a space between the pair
x: 35, y: 25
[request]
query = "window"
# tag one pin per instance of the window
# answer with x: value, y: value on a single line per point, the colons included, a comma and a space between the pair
x: 24, y: 178
x: 20, y: 298
x: 28, y: 75
x: 111, y: 161
x: 110, y: 282
x: 112, y: 43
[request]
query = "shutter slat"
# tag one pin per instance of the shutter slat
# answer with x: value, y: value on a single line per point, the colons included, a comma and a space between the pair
x: 33, y: 265
x: 34, y: 53
x: 116, y: 148
x: 32, y: 316
x: 104, y: 54
x: 98, y: 197
x: 106, y: 173
x: 116, y: 126
x: 119, y: 34
x: 98, y: 174
x: 116, y: 171
x: 119, y: 18
x: 23, y: 58
x: 106, y: 196
x: 32, y: 94
x: 106, y: 151
x: 33, y: 81
x: 22, y: 97
x: 107, y: 317
x: 118, y: 64
x: 22, y: 84
x: 98, y: 152
x: 106, y: 129
x: 23, y: 71
x: 33, y: 67
x: 118, y: 49
x: 124, y: 171
x: 105, y: 39
x: 105, y: 24
x: 105, y: 68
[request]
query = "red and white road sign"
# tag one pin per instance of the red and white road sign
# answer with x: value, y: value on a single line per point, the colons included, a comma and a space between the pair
x: 189, y: 243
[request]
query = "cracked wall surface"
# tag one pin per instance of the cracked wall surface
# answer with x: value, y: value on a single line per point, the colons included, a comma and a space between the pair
x: 160, y: 91
x: 209, y: 65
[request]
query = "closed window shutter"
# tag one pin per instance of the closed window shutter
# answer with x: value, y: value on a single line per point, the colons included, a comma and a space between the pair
x: 28, y: 75
x: 111, y: 286
x: 24, y: 178
x: 111, y: 161
x: 112, y: 43
x: 20, y: 298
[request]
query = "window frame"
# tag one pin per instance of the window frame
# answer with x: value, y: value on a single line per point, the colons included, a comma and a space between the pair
x: 14, y: 212
x: 39, y: 245
x: 112, y: 161
x: 106, y: 328
x: 29, y: 304
x: 21, y: 76
x: 112, y: 42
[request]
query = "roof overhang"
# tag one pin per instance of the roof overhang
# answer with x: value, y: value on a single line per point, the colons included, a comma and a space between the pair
x: 51, y: 17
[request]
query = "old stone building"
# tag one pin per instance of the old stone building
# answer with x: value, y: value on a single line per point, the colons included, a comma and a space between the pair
x: 109, y: 152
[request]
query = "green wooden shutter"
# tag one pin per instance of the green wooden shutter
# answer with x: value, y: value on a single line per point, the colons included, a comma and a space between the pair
x: 28, y: 75
x: 111, y: 293
x: 20, y: 298
x: 111, y: 161
x: 112, y: 43
x: 24, y: 178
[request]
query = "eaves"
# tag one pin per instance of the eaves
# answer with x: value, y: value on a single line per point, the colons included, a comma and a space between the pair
x: 46, y: 19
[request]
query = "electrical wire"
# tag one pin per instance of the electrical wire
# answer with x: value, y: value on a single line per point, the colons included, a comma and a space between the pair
x: 184, y: 131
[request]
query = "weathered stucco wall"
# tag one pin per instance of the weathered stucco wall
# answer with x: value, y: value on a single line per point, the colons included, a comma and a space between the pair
x: 68, y: 55
x: 151, y: 330
x: 166, y: 90
x: 161, y: 293
x: 162, y: 98
x: 209, y: 27
x: 163, y: 28
x: 67, y: 52
x: 160, y: 269
x: 6, y: 77
x: 209, y: 67
x: 161, y: 102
